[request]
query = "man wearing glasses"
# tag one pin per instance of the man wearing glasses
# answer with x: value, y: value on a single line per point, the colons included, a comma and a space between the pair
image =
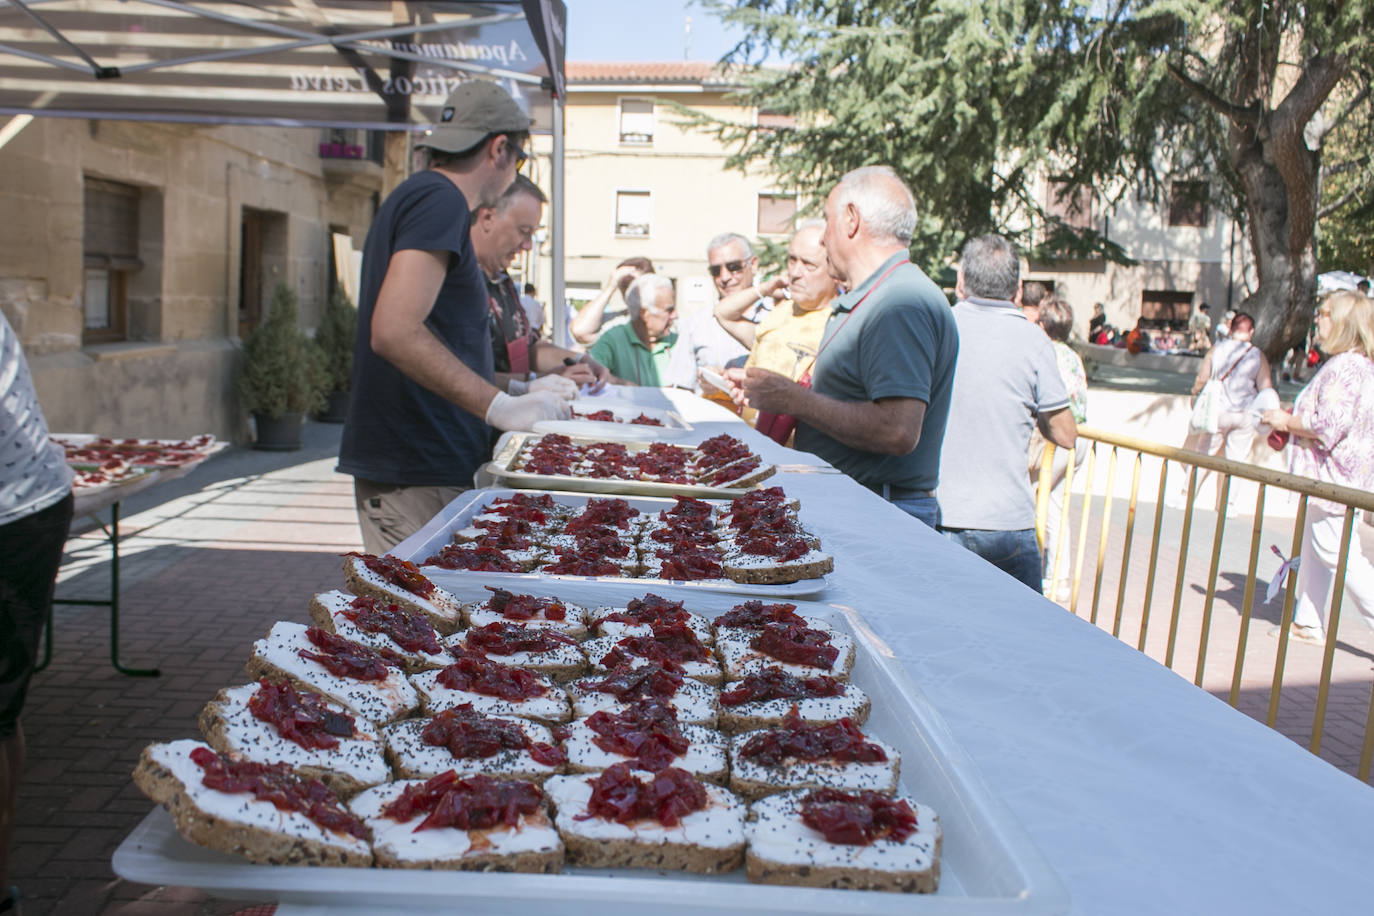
x: 422, y: 393
x: 702, y: 342
x: 522, y: 361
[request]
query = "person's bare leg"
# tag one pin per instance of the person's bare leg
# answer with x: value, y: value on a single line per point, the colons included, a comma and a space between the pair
x: 11, y: 772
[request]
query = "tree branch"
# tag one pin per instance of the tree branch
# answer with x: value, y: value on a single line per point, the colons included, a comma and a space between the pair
x: 1335, y: 122
x: 1335, y: 205
x: 1248, y: 115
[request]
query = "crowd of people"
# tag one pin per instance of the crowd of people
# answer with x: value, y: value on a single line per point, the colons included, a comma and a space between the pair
x: 851, y: 353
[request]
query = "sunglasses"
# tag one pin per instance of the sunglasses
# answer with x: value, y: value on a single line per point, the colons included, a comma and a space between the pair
x: 733, y: 267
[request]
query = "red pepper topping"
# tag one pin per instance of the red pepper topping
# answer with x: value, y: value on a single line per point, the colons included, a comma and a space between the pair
x: 651, y: 609
x: 795, y: 644
x: 629, y: 684
x: 670, y: 645
x: 782, y: 548
x: 478, y: 559
x: 278, y: 783
x: 411, y: 630
x: 478, y: 674
x: 502, y: 638
x: 688, y: 507
x: 859, y: 818
x: 667, y: 797
x: 344, y: 657
x: 601, y: 416
x: 646, y: 420
x: 689, y: 563
x: 525, y: 607
x: 754, y: 614
x: 841, y: 742
x: 475, y: 803
x: 602, y: 513
x: 734, y: 471
x: 775, y: 684
x: 720, y: 450
x: 468, y: 734
x: 647, y: 732
x: 573, y: 564
x: 303, y: 718
x: 401, y: 573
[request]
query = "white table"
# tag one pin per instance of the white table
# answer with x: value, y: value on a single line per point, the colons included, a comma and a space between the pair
x: 1146, y: 794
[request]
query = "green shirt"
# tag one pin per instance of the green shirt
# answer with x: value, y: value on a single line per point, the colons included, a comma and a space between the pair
x: 900, y: 342
x: 622, y: 352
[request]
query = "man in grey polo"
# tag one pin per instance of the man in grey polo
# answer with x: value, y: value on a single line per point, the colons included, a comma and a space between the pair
x: 1007, y: 382
x: 881, y: 383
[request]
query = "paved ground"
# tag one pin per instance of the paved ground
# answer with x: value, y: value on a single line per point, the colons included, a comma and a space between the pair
x: 245, y: 540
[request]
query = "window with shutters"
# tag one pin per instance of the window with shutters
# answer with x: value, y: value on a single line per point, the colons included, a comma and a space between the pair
x: 777, y: 214
x: 1187, y: 203
x: 1071, y: 204
x: 637, y: 122
x: 110, y: 246
x: 633, y: 213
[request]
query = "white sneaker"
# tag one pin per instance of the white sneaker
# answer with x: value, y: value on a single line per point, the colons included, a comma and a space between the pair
x: 1310, y: 634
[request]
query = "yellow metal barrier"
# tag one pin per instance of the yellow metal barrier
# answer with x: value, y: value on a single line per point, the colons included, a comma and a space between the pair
x: 1266, y: 480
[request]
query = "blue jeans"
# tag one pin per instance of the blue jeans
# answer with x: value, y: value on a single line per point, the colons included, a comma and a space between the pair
x: 1016, y: 553
x: 926, y: 508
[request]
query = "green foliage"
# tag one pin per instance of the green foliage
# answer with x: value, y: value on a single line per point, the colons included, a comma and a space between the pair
x: 972, y: 101
x: 1346, y: 236
x: 335, y: 335
x: 283, y: 371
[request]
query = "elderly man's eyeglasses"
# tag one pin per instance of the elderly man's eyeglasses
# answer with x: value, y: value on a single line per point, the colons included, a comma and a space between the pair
x: 733, y: 267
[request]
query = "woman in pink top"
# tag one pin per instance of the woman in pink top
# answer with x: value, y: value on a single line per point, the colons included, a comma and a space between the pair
x: 1332, y: 430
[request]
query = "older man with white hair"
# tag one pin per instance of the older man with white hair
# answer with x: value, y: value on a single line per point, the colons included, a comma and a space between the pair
x: 880, y: 389
x: 637, y: 353
x: 702, y: 342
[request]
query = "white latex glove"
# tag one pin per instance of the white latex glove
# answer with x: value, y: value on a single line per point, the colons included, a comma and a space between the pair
x: 565, y: 388
x: 517, y: 387
x: 508, y: 412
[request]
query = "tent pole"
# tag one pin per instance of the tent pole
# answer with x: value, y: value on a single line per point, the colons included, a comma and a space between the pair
x: 556, y: 298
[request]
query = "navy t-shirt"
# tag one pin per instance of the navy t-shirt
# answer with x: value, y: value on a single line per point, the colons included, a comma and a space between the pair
x: 399, y: 432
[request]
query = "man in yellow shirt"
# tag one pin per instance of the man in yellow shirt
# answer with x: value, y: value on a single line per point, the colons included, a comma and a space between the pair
x: 787, y: 338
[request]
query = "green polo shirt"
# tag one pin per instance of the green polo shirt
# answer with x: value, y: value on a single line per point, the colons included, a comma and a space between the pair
x: 900, y: 342
x: 622, y: 352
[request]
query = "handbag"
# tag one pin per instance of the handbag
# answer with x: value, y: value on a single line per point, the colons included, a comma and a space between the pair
x: 779, y: 426
x: 1206, y: 415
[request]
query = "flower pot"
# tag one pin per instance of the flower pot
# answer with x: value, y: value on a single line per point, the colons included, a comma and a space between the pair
x: 278, y: 434
x: 335, y: 408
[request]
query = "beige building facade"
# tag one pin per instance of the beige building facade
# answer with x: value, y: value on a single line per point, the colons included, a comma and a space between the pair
x: 640, y: 183
x: 134, y: 256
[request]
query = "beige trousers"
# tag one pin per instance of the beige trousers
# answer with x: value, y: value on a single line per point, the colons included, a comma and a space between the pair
x: 390, y: 513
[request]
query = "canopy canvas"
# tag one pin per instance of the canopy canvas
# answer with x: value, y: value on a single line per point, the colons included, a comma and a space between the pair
x: 371, y: 64
x: 294, y: 63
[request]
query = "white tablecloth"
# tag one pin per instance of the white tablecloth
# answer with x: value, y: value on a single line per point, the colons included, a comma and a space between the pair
x: 1146, y: 794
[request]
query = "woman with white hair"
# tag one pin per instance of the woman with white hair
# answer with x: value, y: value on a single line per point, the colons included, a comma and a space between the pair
x: 1331, y: 432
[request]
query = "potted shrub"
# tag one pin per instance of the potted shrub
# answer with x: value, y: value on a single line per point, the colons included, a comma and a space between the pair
x: 282, y: 376
x: 335, y: 335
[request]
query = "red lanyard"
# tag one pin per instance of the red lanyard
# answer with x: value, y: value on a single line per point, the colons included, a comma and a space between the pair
x: 806, y: 376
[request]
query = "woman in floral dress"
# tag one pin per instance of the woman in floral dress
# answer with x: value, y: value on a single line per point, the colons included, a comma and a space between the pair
x: 1332, y: 440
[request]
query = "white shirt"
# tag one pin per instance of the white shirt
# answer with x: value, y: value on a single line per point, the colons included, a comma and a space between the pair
x: 33, y: 469
x: 702, y: 342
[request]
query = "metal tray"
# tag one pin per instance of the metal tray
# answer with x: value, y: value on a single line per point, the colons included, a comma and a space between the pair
x: 509, y: 445
x: 673, y: 424
x: 457, y: 514
x: 989, y: 864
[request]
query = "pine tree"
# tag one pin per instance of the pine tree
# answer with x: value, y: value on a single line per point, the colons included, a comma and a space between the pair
x: 969, y: 101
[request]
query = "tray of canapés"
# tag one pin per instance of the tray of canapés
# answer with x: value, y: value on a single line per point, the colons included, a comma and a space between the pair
x: 755, y: 543
x: 720, y: 467
x: 623, y: 737
x: 617, y: 419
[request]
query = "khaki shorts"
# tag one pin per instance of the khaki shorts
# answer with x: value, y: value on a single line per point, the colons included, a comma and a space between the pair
x: 390, y: 513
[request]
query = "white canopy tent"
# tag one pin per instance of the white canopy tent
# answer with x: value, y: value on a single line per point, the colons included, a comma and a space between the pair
x: 371, y: 64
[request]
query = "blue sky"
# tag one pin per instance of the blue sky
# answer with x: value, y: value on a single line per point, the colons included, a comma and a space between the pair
x: 644, y: 30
